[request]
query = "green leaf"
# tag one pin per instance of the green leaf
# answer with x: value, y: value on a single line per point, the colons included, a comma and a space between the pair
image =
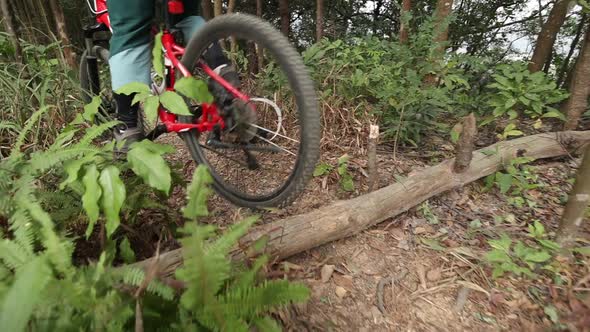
x: 72, y: 169
x: 514, y: 133
x: 266, y: 324
x: 174, y: 103
x: 520, y: 250
x: 504, y: 182
x: 126, y: 252
x: 193, y: 88
x: 134, y: 87
x: 198, y: 192
x: 475, y: 224
x: 502, y: 244
x: 20, y: 301
x: 322, y: 169
x: 346, y: 183
x: 554, y: 114
x: 91, y: 109
x: 150, y: 109
x: 150, y: 166
x: 497, y: 256
x: 537, y: 256
x: 113, y: 195
x: 90, y: 199
x: 157, y: 56
x: 551, y: 312
x: 583, y: 251
x: 432, y: 244
x: 550, y: 244
x: 139, y: 97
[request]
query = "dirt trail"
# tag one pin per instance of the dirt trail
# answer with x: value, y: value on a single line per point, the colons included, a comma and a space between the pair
x: 432, y: 251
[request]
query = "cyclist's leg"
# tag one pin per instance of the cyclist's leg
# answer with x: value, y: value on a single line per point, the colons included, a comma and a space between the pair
x: 130, y: 56
x: 189, y: 22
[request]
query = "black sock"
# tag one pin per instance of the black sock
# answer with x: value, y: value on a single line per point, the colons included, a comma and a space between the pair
x: 126, y: 112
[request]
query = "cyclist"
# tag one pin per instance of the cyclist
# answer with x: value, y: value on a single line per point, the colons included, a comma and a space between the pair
x: 130, y: 61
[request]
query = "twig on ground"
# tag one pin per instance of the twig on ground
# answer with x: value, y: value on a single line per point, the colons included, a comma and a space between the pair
x: 382, y: 283
x: 461, y: 299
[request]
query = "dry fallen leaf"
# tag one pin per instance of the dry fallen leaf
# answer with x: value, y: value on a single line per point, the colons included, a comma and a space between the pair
x: 340, y: 292
x: 326, y: 272
x: 434, y: 274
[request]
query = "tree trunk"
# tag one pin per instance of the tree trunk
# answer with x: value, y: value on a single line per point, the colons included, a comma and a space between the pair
x: 548, y: 34
x: 579, y: 87
x: 574, y: 212
x: 342, y: 219
x: 11, y: 30
x: 441, y: 23
x: 231, y: 6
x: 259, y: 50
x: 217, y: 7
x: 319, y: 20
x: 403, y: 30
x: 574, y: 44
x: 285, y: 16
x: 440, y: 33
x: 60, y: 23
x: 207, y: 9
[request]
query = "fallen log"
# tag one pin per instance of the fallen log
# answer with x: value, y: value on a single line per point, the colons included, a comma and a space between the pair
x: 342, y: 219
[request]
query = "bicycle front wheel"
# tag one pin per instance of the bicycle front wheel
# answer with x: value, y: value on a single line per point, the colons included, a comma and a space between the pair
x: 264, y: 158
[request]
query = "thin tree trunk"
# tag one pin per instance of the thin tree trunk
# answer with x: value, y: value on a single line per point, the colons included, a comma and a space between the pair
x: 40, y: 4
x: 441, y: 33
x: 578, y: 200
x: 548, y: 34
x: 11, y: 30
x: 403, y: 30
x: 285, y: 16
x: 319, y: 20
x: 259, y: 50
x: 566, y: 62
x: 207, y: 9
x: 60, y: 23
x: 579, y: 87
x: 231, y: 5
x: 217, y: 8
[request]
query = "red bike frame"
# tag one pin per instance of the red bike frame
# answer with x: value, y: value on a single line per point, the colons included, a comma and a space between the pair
x: 210, y: 117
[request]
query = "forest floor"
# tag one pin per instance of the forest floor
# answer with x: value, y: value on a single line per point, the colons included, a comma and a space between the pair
x: 433, y: 253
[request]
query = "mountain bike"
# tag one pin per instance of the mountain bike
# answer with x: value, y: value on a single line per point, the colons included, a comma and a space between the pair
x: 261, y: 149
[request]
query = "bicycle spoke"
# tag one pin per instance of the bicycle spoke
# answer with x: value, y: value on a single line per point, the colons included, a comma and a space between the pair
x: 272, y: 143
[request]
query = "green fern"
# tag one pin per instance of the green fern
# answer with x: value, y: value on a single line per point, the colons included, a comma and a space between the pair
x: 135, y: 276
x: 25, y: 131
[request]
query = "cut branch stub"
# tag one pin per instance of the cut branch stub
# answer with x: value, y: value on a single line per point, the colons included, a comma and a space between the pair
x: 465, y: 143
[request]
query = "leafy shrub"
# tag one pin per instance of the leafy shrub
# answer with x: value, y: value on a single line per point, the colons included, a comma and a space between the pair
x: 516, y: 92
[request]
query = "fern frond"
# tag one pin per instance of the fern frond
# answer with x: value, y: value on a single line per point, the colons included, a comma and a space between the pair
x: 225, y: 242
x: 204, y: 272
x: 266, y: 324
x: 12, y: 255
x: 247, y: 279
x: 42, y: 161
x: 253, y: 301
x: 24, y: 236
x: 94, y: 132
x: 24, y: 294
x: 25, y: 131
x: 135, y: 276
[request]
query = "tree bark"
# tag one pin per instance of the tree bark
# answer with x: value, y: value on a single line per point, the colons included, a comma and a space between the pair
x: 440, y: 33
x: 11, y: 30
x: 319, y: 20
x: 342, y: 219
x: 465, y: 144
x: 548, y: 34
x: 403, y: 30
x: 259, y: 50
x: 217, y: 8
x: 578, y: 200
x: 285, y: 16
x: 441, y: 24
x: 60, y: 23
x: 574, y: 44
x: 207, y: 9
x: 579, y: 87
